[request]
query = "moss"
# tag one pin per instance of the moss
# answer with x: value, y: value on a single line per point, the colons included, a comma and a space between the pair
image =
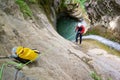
x: 62, y: 5
x: 95, y: 76
x: 46, y: 4
x: 24, y: 8
x: 32, y: 1
x: 109, y: 79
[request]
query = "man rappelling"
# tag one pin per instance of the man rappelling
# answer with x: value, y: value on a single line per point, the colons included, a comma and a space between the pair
x: 79, y: 31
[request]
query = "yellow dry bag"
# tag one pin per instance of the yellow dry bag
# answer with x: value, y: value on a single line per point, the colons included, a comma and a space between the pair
x: 26, y: 53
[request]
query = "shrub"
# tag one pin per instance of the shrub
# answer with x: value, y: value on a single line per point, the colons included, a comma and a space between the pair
x: 24, y: 8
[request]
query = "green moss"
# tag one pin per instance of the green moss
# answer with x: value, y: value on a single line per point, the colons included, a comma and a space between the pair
x: 95, y: 76
x: 109, y: 79
x: 32, y: 1
x: 81, y: 2
x: 46, y: 4
x: 24, y: 8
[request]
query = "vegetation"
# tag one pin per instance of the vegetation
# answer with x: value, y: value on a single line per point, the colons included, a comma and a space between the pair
x: 81, y: 2
x: 46, y: 5
x: 95, y: 76
x: 62, y: 5
x: 109, y: 79
x: 24, y: 8
x: 32, y: 1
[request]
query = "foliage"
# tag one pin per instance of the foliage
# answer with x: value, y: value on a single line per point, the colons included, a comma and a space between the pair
x: 63, y: 4
x: 81, y: 2
x: 109, y: 79
x: 46, y: 5
x: 32, y: 1
x: 24, y: 8
x: 95, y: 76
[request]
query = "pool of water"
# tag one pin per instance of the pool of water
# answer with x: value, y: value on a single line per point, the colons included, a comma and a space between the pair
x: 66, y: 27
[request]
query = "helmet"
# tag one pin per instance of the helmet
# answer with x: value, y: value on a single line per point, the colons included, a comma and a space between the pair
x: 79, y: 24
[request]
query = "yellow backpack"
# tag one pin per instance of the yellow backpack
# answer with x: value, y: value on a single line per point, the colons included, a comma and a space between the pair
x: 26, y: 53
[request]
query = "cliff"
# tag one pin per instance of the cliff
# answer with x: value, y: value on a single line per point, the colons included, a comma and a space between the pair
x: 106, y: 14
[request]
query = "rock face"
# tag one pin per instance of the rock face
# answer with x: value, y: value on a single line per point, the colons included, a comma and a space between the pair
x: 56, y: 62
x: 104, y: 12
x: 74, y: 10
x: 115, y: 26
x: 60, y: 59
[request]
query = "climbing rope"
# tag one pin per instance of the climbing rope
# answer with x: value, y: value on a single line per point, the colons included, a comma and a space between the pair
x: 70, y: 36
x: 1, y: 71
x: 16, y: 74
x: 3, y: 66
x: 19, y: 66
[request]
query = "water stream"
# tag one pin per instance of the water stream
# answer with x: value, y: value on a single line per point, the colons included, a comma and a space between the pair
x: 66, y: 26
x: 105, y: 41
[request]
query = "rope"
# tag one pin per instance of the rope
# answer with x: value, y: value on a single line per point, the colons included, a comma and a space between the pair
x: 20, y: 66
x: 1, y: 71
x: 71, y: 36
x: 16, y: 74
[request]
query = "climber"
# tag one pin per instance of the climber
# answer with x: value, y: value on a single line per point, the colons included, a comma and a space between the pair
x: 79, y: 31
x: 24, y: 54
